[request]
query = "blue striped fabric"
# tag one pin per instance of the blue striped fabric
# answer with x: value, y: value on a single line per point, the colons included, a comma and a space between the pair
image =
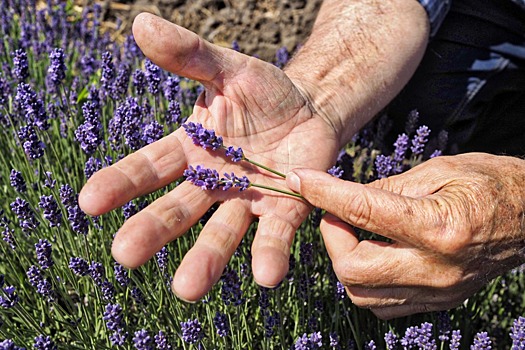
x: 436, y: 11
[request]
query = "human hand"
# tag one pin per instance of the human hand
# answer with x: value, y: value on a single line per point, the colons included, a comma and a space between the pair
x: 454, y: 222
x: 252, y: 105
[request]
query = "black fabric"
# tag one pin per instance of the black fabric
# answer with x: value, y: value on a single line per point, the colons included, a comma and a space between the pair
x: 471, y: 81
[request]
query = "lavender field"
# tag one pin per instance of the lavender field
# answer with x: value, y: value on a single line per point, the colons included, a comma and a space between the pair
x: 72, y: 101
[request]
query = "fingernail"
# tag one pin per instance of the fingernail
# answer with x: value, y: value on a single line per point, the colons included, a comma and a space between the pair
x: 293, y: 181
x: 181, y: 298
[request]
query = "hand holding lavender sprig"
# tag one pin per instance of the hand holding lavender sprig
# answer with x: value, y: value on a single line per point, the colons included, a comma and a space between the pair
x: 248, y: 101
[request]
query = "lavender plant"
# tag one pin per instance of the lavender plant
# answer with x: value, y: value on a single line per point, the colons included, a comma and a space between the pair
x: 73, y: 101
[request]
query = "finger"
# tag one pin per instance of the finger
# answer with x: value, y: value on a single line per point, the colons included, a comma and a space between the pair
x: 271, y: 250
x: 374, y: 264
x: 395, y: 216
x: 144, y: 171
x: 388, y: 313
x: 181, y: 51
x: 204, y: 264
x: 166, y: 219
x: 375, y: 298
x: 339, y: 238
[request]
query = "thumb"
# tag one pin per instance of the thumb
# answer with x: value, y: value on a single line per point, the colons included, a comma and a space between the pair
x: 395, y: 216
x: 181, y: 51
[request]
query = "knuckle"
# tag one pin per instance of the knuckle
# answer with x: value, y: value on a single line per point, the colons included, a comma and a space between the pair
x: 358, y: 212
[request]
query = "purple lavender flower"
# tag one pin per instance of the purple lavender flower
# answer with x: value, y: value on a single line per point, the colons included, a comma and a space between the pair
x: 51, y: 211
x: 17, y: 181
x: 174, y: 113
x: 162, y: 258
x: 79, y: 266
x: 8, y: 344
x: 49, y: 182
x: 264, y: 300
x: 161, y: 341
x: 33, y: 147
x: 137, y: 295
x: 31, y: 107
x: 340, y: 292
x: 231, y: 180
x: 43, y: 253
x: 44, y: 343
x: 142, y: 340
x: 517, y: 334
x: 56, y: 72
x: 231, y: 292
x: 37, y: 280
x: 108, y: 73
x: 7, y: 236
x: 120, y: 85
x: 455, y: 340
x: 305, y: 342
x: 282, y: 57
x: 20, y: 65
x: 88, y: 65
x: 130, y: 123
x: 207, y: 179
x: 235, y: 46
x: 371, y: 345
x: 192, y: 331
x: 26, y: 216
x: 236, y: 154
x: 121, y: 274
x: 92, y: 166
x: 220, y: 321
x: 77, y: 219
x: 89, y: 133
x: 481, y: 341
x: 97, y: 272
x: 113, y: 317
x: 306, y: 254
x: 384, y: 166
x: 9, y: 298
x: 129, y: 209
x: 391, y: 340
x: 67, y: 195
x: 152, y: 132
x: 5, y: 90
x: 118, y: 337
x: 139, y: 82
x: 89, y: 136
x: 436, y: 153
x: 444, y: 326
x: 334, y: 340
x: 271, y: 321
x: 171, y: 87
x: 400, y: 149
x: 153, y: 76
x: 200, y: 136
x: 420, y: 139
x: 336, y: 171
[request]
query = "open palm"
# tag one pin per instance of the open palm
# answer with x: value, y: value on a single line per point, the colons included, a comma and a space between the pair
x: 252, y: 105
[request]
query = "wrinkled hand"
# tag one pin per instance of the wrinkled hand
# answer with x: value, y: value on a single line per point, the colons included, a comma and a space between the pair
x: 252, y: 105
x: 455, y: 223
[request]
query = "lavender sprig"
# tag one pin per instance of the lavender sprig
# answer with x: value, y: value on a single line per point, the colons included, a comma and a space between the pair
x: 209, y: 179
x: 206, y: 138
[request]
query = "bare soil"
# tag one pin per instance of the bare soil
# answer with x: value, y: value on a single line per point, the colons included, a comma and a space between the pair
x: 260, y: 27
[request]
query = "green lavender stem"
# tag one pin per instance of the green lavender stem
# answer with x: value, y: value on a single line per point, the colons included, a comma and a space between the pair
x: 265, y: 167
x: 277, y: 190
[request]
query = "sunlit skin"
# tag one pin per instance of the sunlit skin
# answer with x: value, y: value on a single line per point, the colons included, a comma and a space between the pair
x: 455, y: 222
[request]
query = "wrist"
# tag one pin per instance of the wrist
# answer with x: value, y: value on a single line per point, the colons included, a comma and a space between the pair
x: 358, y: 57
